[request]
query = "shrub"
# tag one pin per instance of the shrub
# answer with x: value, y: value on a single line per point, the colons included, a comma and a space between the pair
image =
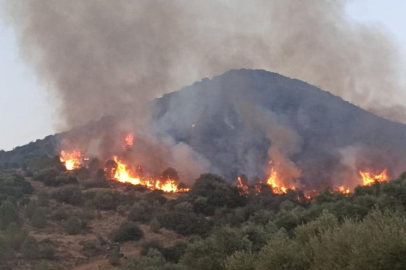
x: 8, y: 214
x: 30, y: 248
x: 60, y: 214
x: 184, y: 207
x: 155, y: 226
x: 282, y: 253
x: 12, y: 184
x: 128, y: 231
x: 211, y: 253
x: 43, y: 265
x: 114, y: 258
x: 73, y: 225
x: 104, y: 200
x: 30, y: 208
x: 15, y: 236
x: 47, y: 252
x: 185, y: 223
x: 47, y: 176
x: 121, y: 209
x: 154, y: 244
x: 241, y: 260
x: 90, y: 248
x: 6, y: 253
x: 43, y: 198
x: 39, y: 218
x: 174, y: 253
x: 69, y: 194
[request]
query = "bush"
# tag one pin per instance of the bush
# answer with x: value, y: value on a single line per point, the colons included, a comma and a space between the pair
x: 15, y: 236
x: 69, y: 194
x: 47, y: 252
x: 128, y: 231
x: 60, y: 214
x: 185, y: 223
x: 44, y: 265
x: 155, y: 226
x: 90, y: 248
x: 30, y: 209
x: 241, y: 260
x: 282, y: 253
x: 174, y: 253
x: 73, y: 225
x: 6, y: 253
x: 114, y: 258
x: 47, y: 176
x: 12, y: 184
x: 154, y: 244
x: 211, y: 253
x: 30, y: 248
x: 8, y: 214
x: 43, y: 199
x: 39, y: 218
x: 104, y: 200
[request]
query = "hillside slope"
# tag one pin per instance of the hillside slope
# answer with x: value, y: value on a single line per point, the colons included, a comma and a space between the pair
x: 221, y: 118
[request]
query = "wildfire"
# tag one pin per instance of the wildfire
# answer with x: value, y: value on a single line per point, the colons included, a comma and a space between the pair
x: 244, y: 188
x: 71, y: 160
x: 129, y: 141
x: 343, y: 190
x: 371, y: 178
x: 124, y: 175
x: 273, y: 182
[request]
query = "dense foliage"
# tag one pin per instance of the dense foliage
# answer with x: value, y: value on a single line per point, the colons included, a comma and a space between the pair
x: 219, y: 227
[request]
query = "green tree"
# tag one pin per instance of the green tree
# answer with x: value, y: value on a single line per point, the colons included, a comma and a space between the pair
x: 8, y: 214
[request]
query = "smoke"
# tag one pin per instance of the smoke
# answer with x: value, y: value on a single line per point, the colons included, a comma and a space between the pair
x: 103, y: 57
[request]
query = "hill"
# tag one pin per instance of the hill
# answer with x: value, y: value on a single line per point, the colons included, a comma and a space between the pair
x: 234, y: 119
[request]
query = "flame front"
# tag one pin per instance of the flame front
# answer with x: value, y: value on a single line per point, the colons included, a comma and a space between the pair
x: 343, y: 190
x: 71, y: 160
x: 369, y: 178
x: 243, y: 188
x: 124, y: 175
x: 273, y: 182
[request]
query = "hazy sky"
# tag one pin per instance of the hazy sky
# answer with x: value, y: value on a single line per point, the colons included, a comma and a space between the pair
x: 27, y: 112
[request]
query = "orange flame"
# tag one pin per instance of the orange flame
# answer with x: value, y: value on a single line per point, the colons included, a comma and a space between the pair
x: 71, y: 160
x: 243, y: 188
x: 129, y: 141
x: 343, y: 190
x: 369, y: 178
x: 273, y: 182
x: 124, y: 175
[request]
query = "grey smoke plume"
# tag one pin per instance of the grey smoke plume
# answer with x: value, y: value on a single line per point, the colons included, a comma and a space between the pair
x: 101, y: 57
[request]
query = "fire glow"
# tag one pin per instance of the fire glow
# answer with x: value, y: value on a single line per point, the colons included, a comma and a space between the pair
x: 274, y: 182
x: 129, y: 141
x: 124, y: 175
x: 71, y: 160
x: 122, y: 172
x: 369, y: 178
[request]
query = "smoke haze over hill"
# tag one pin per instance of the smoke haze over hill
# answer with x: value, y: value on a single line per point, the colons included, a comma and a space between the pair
x: 107, y: 57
